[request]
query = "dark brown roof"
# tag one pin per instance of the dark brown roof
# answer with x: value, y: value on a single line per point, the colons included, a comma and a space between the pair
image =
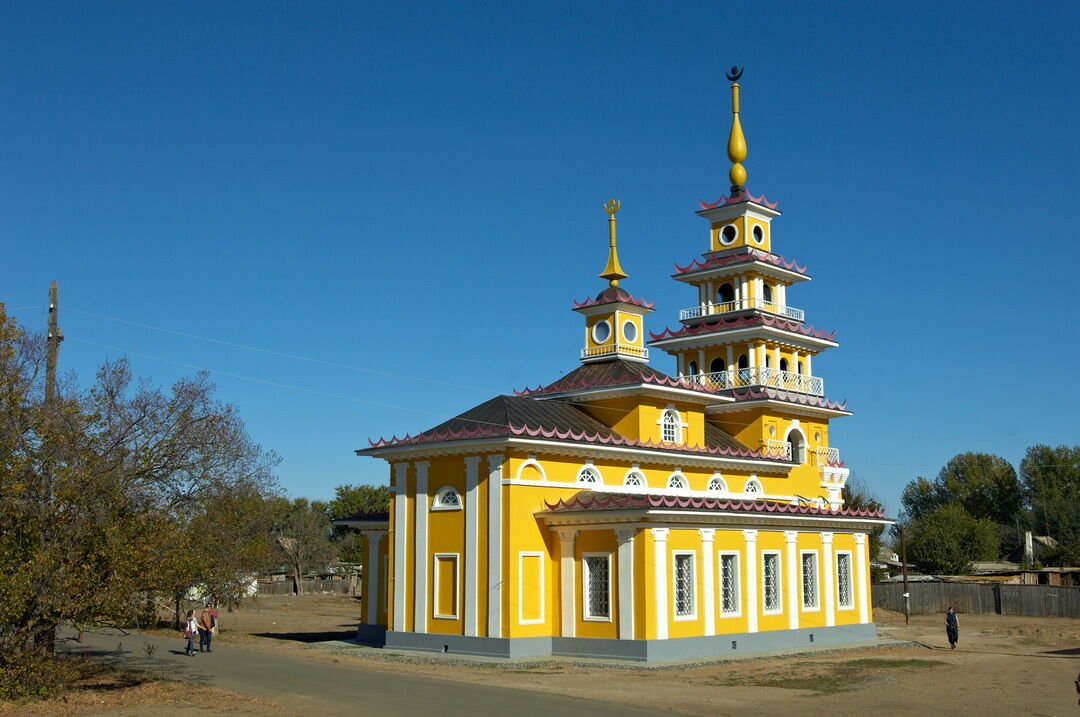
x: 500, y: 412
x: 615, y: 372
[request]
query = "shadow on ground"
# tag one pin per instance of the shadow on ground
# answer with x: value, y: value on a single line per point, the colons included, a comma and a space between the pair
x: 311, y: 636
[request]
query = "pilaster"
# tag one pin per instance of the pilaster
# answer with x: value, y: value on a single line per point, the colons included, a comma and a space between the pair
x: 420, y: 595
x: 750, y: 542
x: 567, y: 536
x: 495, y: 545
x: 472, y: 520
x: 625, y: 559
x: 707, y: 574
x: 828, y: 578
x: 660, y: 536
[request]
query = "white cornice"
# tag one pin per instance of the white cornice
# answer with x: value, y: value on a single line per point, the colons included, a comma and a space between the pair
x: 761, y: 267
x: 650, y: 517
x: 747, y: 333
x: 780, y: 405
x: 650, y: 389
x: 739, y: 209
x: 584, y: 450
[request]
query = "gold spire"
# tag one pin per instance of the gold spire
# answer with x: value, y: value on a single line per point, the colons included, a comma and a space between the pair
x: 613, y: 272
x: 736, y: 144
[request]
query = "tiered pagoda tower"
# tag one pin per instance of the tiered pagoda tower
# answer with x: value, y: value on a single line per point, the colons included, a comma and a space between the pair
x: 742, y: 337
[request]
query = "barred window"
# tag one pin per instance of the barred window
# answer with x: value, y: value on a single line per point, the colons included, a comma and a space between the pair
x: 843, y: 579
x: 670, y: 423
x: 677, y: 481
x: 633, y: 478
x: 717, y: 485
x: 588, y: 475
x: 597, y: 587
x: 770, y: 565
x: 729, y: 584
x: 753, y: 486
x: 809, y: 580
x: 684, y: 585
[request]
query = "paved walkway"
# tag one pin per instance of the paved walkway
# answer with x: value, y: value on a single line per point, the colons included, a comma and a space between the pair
x: 318, y: 687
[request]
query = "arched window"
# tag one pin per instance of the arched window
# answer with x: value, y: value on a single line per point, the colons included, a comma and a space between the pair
x: 801, y: 367
x: 783, y: 364
x: 717, y: 485
x: 691, y: 368
x: 634, y: 479
x: 725, y: 294
x: 677, y: 481
x: 446, y: 498
x: 744, y: 362
x: 589, y: 474
x: 768, y: 361
x: 717, y: 365
x: 767, y: 293
x: 798, y: 446
x: 753, y: 486
x: 670, y: 426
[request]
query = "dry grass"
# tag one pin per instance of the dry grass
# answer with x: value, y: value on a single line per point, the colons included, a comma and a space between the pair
x: 100, y: 689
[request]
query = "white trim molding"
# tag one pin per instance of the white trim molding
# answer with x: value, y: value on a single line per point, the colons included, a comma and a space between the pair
x: 472, y: 539
x: 750, y: 546
x: 420, y: 594
x: 828, y: 579
x: 586, y: 587
x: 792, y: 540
x: 862, y: 596
x: 850, y: 555
x: 439, y: 500
x: 817, y: 581
x: 708, y: 579
x: 625, y: 565
x: 401, y: 535
x: 779, y: 609
x: 530, y: 461
x: 437, y: 584
x: 495, y: 545
x: 660, y: 538
x: 542, y: 557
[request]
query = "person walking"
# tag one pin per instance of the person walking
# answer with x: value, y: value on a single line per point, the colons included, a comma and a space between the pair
x: 191, y: 626
x: 206, y: 627
x: 952, y: 627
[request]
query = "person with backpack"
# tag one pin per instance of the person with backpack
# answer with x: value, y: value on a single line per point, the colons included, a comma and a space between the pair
x: 190, y: 628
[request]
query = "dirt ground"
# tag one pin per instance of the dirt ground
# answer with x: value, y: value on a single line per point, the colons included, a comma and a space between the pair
x: 1002, y: 666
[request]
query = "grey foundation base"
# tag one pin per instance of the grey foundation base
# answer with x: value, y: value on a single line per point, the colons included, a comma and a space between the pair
x: 680, y: 648
x: 371, y: 634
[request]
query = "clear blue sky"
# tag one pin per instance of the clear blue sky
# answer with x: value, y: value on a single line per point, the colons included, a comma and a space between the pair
x: 415, y: 189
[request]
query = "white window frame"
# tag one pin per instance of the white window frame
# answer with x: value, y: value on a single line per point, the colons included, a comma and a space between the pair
x: 779, y: 609
x: 816, y: 607
x: 716, y: 478
x: 678, y: 477
x: 436, y: 584
x: 680, y: 424
x: 755, y: 482
x: 590, y: 467
x: 586, y: 583
x: 437, y: 501
x: 521, y: 587
x: 635, y: 472
x: 738, y: 583
x: 675, y: 554
x: 851, y: 580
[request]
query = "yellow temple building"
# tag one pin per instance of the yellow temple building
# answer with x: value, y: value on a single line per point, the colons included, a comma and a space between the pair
x: 622, y: 512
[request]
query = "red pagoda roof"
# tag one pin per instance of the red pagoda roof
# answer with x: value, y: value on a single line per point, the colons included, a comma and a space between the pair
x: 738, y: 322
x: 592, y: 500
x: 613, y: 295
x: 756, y: 255
x: 736, y: 198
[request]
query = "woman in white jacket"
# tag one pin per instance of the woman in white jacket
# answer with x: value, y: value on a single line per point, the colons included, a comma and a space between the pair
x: 191, y: 628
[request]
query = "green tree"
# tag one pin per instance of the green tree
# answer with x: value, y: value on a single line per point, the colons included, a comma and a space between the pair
x: 303, y: 535
x: 947, y: 540
x: 1051, y: 482
x: 98, y: 493
x: 984, y: 484
x: 353, y: 499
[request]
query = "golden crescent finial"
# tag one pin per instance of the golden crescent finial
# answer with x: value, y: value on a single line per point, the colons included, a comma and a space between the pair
x: 612, y: 272
x: 736, y: 148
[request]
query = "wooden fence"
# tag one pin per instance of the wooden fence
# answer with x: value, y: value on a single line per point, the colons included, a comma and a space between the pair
x: 285, y: 587
x: 982, y: 598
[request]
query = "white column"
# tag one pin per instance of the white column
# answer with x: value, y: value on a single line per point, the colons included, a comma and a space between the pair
x: 781, y: 295
x: 701, y: 361
x: 401, y: 534
x: 681, y: 360
x: 420, y: 595
x: 795, y: 362
x: 494, y: 546
x: 472, y: 521
x: 759, y: 291
x: 828, y: 578
x: 760, y: 348
x: 660, y: 536
x: 566, y: 579
x: 750, y: 540
x: 860, y: 588
x: 740, y: 295
x: 730, y: 357
x: 708, y: 559
x: 776, y: 359
x: 371, y: 576
x: 751, y: 356
x: 809, y: 370
x: 625, y: 559
x: 792, y: 578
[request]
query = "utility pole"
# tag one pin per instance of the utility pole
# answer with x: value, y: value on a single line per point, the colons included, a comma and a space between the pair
x: 903, y: 568
x: 52, y: 345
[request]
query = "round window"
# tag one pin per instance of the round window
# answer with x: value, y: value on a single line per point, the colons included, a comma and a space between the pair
x: 728, y: 234
x: 601, y: 332
x: 629, y: 332
x: 759, y: 235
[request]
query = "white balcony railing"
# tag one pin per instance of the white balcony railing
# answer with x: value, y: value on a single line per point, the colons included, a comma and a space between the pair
x: 820, y: 456
x: 615, y: 350
x: 778, y: 449
x: 696, y: 312
x: 823, y: 456
x: 761, y: 376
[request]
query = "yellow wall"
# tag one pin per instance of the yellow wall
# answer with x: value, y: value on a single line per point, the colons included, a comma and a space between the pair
x: 745, y: 226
